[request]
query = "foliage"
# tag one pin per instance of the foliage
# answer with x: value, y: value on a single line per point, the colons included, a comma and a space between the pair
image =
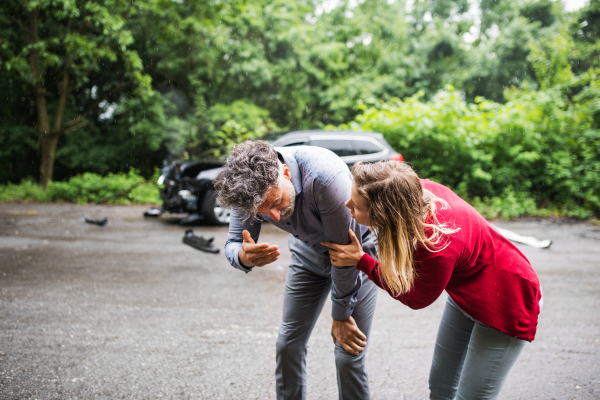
x: 510, y: 204
x: 115, y: 84
x: 130, y: 188
x: 538, y: 149
x: 138, y: 134
x: 58, y: 48
x: 225, y: 125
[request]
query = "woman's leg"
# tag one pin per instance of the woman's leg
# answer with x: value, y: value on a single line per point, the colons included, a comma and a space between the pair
x: 489, y: 359
x: 449, y: 354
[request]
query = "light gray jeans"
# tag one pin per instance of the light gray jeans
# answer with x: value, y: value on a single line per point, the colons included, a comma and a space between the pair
x: 471, y: 360
x: 307, y: 286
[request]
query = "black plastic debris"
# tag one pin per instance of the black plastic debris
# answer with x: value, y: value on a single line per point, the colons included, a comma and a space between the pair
x: 199, y: 242
x: 99, y: 222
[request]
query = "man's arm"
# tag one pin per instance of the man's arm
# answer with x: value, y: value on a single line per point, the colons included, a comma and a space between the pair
x: 336, y: 220
x: 235, y: 238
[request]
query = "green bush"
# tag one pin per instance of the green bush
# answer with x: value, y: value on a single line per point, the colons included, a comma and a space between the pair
x: 25, y: 191
x: 539, y: 153
x: 130, y: 188
x: 224, y: 125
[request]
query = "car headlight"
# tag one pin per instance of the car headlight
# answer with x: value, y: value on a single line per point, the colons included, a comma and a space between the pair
x: 161, y: 179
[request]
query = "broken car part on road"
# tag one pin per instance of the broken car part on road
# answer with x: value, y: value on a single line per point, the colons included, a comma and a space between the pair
x: 199, y: 242
x: 99, y: 222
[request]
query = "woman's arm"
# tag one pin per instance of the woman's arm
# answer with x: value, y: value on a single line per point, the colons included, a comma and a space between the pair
x: 345, y: 255
x: 433, y: 271
x: 433, y: 275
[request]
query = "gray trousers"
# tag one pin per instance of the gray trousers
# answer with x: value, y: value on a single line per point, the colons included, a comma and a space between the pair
x: 307, y: 286
x: 471, y: 360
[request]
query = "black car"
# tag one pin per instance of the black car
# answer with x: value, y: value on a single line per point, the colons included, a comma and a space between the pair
x: 188, y: 185
x: 188, y: 192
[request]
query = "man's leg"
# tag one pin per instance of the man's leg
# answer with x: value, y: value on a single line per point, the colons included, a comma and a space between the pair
x: 303, y: 299
x: 353, y: 382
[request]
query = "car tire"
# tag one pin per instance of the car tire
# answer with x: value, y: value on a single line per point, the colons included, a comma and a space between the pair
x: 213, y: 212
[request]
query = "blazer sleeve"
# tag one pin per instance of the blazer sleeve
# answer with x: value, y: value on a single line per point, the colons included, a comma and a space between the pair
x: 235, y: 238
x: 336, y: 220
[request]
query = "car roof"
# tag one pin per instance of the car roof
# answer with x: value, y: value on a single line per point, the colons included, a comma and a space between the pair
x: 323, y: 134
x: 317, y: 132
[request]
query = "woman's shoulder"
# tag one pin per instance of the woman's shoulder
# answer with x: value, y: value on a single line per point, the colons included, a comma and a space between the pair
x: 437, y: 188
x: 457, y: 207
x: 455, y: 214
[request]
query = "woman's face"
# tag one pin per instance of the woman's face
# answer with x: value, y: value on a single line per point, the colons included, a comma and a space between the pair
x: 357, y: 207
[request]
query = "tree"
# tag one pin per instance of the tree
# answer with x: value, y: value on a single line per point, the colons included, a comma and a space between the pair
x: 58, y: 47
x: 152, y: 77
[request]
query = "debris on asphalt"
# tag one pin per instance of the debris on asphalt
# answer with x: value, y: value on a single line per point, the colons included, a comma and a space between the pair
x: 153, y: 212
x: 99, y: 222
x: 191, y: 219
x: 528, y: 240
x: 199, y: 242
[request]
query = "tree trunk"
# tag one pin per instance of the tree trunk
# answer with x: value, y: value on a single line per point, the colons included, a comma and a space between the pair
x: 48, y: 144
x: 47, y: 140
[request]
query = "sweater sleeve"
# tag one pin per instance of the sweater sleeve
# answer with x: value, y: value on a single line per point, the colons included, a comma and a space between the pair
x: 433, y: 275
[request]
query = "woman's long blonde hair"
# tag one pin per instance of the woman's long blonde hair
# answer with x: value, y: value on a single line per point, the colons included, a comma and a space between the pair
x: 403, y: 215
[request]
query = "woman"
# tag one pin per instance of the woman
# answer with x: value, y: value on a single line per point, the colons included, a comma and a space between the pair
x: 429, y: 240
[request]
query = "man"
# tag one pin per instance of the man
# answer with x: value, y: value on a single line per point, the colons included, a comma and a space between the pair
x: 303, y: 191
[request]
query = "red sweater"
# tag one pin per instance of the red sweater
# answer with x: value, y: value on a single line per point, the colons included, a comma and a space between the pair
x: 484, y: 273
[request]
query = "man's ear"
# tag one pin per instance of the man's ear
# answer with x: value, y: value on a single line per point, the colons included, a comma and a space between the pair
x: 286, y: 172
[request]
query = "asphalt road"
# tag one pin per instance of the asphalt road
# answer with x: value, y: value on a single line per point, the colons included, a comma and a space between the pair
x: 128, y: 311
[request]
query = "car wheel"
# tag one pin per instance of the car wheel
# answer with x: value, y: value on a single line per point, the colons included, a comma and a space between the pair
x: 213, y: 212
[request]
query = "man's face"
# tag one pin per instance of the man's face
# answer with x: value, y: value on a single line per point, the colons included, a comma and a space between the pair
x: 279, y: 203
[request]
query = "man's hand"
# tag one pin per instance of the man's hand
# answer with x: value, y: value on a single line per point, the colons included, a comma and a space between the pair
x: 345, y: 255
x: 256, y: 255
x: 347, y: 334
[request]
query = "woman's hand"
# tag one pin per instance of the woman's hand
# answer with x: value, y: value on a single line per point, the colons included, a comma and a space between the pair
x: 345, y: 255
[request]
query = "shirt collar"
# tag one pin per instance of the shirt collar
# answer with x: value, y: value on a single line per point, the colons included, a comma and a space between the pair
x: 288, y: 159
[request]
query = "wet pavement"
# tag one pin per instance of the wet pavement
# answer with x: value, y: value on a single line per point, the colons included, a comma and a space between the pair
x: 129, y: 311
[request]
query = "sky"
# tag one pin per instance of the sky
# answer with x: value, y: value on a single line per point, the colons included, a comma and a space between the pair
x: 572, y: 5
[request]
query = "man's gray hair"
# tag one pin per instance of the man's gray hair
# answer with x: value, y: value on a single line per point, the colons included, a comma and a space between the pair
x: 251, y: 170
